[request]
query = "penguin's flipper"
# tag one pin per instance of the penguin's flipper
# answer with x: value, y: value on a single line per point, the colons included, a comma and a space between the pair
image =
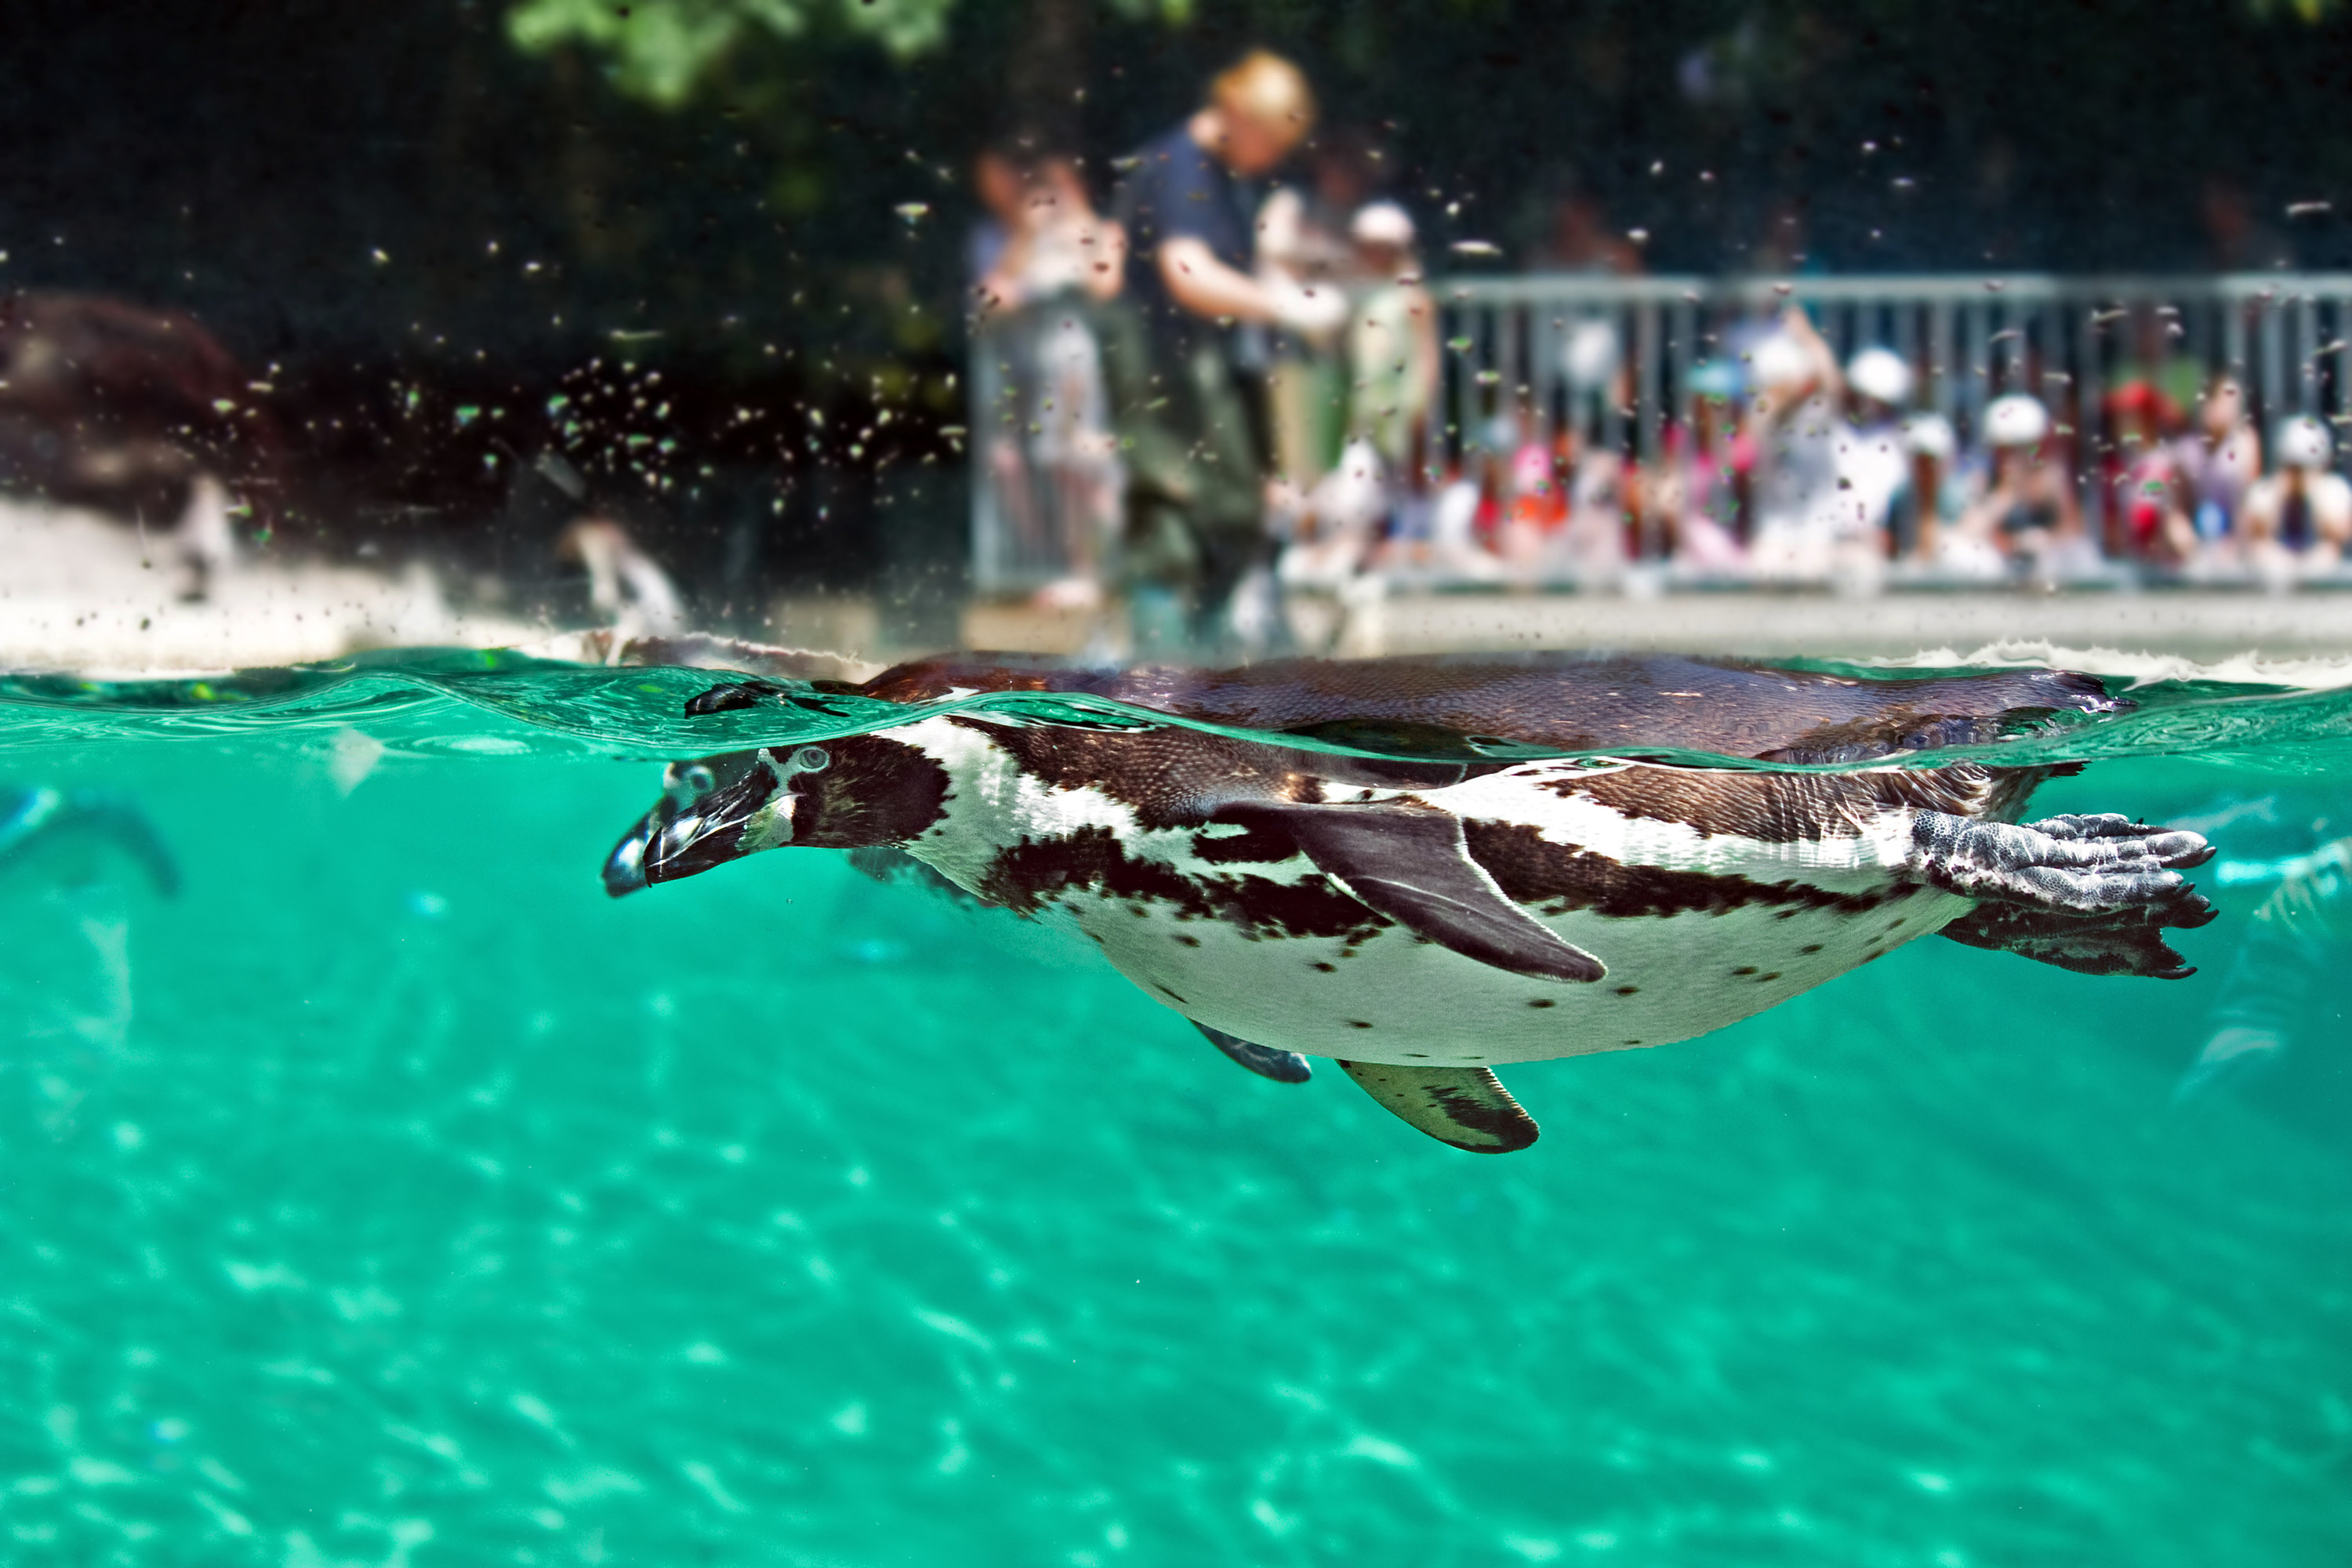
x: 1466, y: 1107
x: 1283, y: 1067
x: 2115, y: 942
x: 40, y: 816
x: 2063, y: 864
x: 136, y: 837
x: 1412, y: 864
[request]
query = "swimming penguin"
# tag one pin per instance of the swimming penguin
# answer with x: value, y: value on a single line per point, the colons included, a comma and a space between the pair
x: 1424, y: 915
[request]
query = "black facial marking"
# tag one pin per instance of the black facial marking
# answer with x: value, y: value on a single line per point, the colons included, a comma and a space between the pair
x: 874, y: 789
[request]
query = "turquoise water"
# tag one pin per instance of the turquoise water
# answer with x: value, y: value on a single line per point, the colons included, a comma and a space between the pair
x: 393, y: 1197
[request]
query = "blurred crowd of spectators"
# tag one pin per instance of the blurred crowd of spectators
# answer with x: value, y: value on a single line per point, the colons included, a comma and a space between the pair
x: 1226, y: 381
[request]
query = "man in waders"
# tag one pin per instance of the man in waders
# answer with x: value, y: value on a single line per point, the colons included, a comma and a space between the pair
x: 1185, y: 360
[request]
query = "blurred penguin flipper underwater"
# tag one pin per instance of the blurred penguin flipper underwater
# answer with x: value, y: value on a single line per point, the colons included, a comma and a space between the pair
x: 39, y: 821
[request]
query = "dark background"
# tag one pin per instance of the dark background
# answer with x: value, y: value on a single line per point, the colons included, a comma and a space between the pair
x: 394, y: 214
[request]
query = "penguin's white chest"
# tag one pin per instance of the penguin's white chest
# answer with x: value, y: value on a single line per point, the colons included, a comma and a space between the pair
x: 1394, y: 996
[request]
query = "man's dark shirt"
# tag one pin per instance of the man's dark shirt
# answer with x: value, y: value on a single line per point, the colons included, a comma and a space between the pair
x: 1176, y: 189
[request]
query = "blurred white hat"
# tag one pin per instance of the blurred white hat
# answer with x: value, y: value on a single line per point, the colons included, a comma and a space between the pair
x: 2304, y: 443
x: 2016, y: 420
x: 1881, y: 376
x: 1931, y: 436
x: 1777, y: 360
x: 1381, y: 223
x: 1589, y: 356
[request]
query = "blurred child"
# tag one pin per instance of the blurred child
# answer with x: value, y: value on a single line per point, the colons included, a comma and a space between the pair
x: 2150, y: 510
x: 1933, y: 495
x: 2028, y: 518
x: 2219, y: 460
x: 1392, y: 358
x: 2299, y: 518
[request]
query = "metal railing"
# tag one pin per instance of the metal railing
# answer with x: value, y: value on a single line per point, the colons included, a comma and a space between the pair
x: 1614, y: 358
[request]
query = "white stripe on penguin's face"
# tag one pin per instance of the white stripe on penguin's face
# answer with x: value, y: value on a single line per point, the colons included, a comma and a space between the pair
x: 993, y: 803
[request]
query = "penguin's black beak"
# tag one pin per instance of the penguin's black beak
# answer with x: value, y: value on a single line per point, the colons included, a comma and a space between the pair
x: 711, y: 811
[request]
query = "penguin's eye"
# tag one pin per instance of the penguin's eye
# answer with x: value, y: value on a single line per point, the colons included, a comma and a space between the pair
x: 812, y: 760
x: 698, y: 779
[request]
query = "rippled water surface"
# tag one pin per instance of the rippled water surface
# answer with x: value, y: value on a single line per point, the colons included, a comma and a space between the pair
x: 392, y: 1196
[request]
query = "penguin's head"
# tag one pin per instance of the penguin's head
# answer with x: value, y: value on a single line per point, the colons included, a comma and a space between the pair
x: 855, y: 793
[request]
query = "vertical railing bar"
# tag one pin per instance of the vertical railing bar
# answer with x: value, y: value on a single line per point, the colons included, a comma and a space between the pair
x: 2307, y: 353
x: 1646, y: 408
x: 2091, y: 421
x: 2344, y: 355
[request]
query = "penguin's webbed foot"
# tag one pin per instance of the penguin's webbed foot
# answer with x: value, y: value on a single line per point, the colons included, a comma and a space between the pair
x: 2079, y: 865
x: 2114, y: 941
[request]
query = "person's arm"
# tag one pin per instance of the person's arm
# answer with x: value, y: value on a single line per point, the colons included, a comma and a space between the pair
x: 1106, y: 272
x: 1427, y: 365
x: 2064, y: 499
x: 1207, y: 286
x: 2258, y: 514
x: 2331, y: 509
x: 1980, y: 518
x: 1828, y: 380
x: 1927, y: 503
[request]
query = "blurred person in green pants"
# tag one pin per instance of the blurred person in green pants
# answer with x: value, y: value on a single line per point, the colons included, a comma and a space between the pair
x: 1185, y: 355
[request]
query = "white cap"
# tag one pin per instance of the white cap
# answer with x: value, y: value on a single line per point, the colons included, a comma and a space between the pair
x: 1381, y: 223
x: 2304, y: 443
x: 1881, y: 376
x: 1931, y: 436
x: 1589, y: 356
x: 2016, y: 420
x: 1777, y: 362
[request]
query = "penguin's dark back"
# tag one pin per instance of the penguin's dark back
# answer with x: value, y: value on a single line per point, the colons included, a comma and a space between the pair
x: 1556, y: 700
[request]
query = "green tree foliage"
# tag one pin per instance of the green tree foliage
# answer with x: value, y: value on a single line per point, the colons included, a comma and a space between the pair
x: 667, y: 51
x: 663, y: 51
